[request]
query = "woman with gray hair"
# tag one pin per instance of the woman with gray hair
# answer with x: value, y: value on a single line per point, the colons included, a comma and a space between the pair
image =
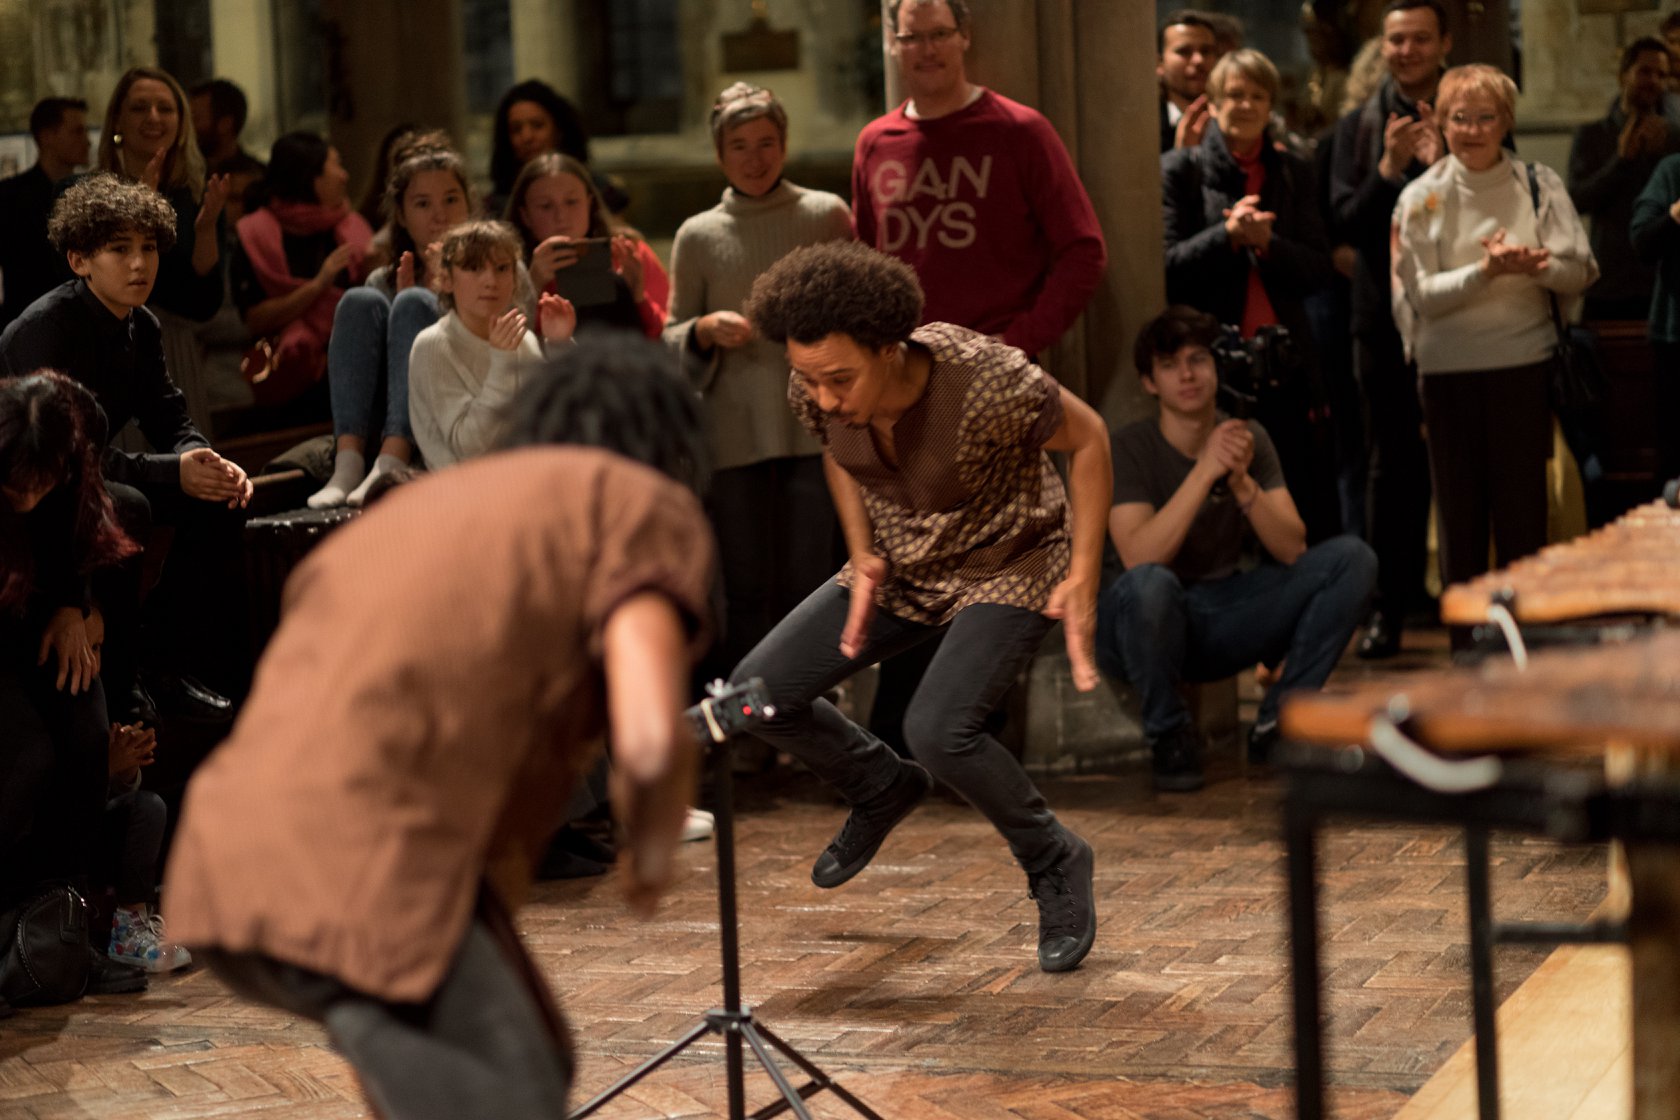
x: 1487, y: 252
x: 1245, y: 243
x: 769, y: 502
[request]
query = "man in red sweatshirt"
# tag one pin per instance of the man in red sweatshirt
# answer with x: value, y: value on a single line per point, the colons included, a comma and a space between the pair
x: 975, y: 192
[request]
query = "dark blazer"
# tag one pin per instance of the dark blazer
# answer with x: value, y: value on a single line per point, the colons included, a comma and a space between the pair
x: 1197, y: 186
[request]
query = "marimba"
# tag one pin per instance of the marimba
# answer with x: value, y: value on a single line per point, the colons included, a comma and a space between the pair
x: 1629, y: 567
x: 1498, y: 746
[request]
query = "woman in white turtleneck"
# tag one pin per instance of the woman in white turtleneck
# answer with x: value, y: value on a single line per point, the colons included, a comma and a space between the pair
x: 768, y: 500
x: 1476, y: 266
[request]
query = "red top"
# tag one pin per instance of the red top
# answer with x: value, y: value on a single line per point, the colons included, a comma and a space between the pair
x: 1257, y: 308
x: 986, y: 206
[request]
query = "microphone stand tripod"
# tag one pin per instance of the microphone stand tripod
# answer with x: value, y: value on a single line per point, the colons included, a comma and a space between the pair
x: 725, y: 713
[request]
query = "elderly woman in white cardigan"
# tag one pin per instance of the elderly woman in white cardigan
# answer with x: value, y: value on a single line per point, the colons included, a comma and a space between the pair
x: 1477, y: 264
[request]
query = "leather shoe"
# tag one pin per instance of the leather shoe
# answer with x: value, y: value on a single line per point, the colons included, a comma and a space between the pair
x: 1381, y: 638
x: 867, y: 826
x: 107, y: 977
x: 178, y: 696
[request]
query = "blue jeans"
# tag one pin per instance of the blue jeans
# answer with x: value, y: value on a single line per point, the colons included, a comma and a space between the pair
x: 371, y: 339
x: 1154, y: 632
x: 986, y: 648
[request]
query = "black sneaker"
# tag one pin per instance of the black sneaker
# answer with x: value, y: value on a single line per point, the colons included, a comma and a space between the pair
x: 867, y: 826
x: 1176, y: 760
x: 1067, y: 912
x: 1262, y: 743
x: 107, y: 977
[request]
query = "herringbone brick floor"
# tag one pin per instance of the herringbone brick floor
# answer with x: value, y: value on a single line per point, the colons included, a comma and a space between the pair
x: 915, y: 984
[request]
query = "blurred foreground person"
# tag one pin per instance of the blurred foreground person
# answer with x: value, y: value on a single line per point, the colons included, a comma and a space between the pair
x: 445, y: 671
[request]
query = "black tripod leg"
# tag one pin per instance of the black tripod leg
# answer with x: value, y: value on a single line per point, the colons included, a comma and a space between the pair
x: 790, y: 1097
x: 695, y: 1033
x: 818, y: 1078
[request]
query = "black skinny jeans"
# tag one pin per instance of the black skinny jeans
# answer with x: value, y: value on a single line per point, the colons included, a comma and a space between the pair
x: 985, y: 649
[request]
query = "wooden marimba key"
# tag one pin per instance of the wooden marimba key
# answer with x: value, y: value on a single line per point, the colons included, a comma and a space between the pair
x: 1630, y: 566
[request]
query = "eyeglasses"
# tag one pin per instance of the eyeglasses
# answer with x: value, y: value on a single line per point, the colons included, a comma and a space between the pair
x: 938, y: 37
x: 1463, y: 122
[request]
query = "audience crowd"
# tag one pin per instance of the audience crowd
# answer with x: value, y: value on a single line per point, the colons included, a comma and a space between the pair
x: 1360, y: 321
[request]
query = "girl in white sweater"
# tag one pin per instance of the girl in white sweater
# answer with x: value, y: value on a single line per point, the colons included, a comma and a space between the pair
x: 465, y: 368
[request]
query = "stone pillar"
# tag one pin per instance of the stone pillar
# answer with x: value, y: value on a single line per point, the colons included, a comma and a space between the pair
x: 391, y: 60
x: 542, y: 42
x: 1103, y: 105
x: 241, y: 42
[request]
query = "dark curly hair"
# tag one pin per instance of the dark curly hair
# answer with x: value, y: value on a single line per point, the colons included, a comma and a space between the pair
x: 620, y: 391
x: 99, y: 208
x: 570, y: 136
x: 1171, y: 331
x: 53, y: 433
x: 837, y: 287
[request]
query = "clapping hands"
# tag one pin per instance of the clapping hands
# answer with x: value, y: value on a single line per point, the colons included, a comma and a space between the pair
x: 1500, y: 258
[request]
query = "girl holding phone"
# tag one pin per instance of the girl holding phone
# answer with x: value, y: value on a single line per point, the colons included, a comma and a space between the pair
x: 558, y: 212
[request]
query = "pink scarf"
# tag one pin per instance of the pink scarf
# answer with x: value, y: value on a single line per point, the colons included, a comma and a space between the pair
x: 261, y: 233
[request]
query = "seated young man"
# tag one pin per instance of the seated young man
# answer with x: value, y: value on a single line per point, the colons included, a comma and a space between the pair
x: 1191, y: 486
x: 97, y: 329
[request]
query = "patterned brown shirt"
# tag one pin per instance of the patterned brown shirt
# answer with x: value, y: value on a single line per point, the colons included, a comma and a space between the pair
x: 975, y: 511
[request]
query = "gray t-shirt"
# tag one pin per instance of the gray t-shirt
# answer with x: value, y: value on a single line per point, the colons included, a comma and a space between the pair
x: 1149, y: 469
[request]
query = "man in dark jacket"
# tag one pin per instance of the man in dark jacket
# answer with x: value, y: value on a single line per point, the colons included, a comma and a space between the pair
x: 1186, y: 49
x: 1609, y: 163
x: 28, y: 264
x: 1377, y: 149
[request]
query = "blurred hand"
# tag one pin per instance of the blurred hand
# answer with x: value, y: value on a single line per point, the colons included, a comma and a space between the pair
x: 405, y: 271
x: 1074, y: 603
x: 727, y: 329
x: 209, y: 477
x: 868, y: 573
x: 66, y: 636
x: 337, y: 261
x: 1192, y: 126
x: 131, y: 747
x: 210, y: 207
x: 507, y: 330
x: 556, y: 317
x: 628, y: 264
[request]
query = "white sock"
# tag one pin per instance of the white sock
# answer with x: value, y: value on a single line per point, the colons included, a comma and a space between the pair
x: 347, y: 471
x: 382, y: 466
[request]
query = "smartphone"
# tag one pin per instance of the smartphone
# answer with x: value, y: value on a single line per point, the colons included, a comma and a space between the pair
x: 590, y: 280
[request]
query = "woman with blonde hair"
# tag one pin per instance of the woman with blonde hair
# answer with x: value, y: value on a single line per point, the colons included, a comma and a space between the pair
x: 1488, y: 255
x: 147, y: 135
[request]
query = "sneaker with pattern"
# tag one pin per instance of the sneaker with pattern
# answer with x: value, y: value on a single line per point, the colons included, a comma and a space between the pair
x: 138, y: 939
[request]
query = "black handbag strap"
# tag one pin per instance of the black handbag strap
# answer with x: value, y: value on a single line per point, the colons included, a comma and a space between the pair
x: 1551, y: 296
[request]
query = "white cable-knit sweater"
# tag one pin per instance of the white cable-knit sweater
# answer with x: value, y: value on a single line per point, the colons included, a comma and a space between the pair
x: 459, y: 387
x: 1451, y: 316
